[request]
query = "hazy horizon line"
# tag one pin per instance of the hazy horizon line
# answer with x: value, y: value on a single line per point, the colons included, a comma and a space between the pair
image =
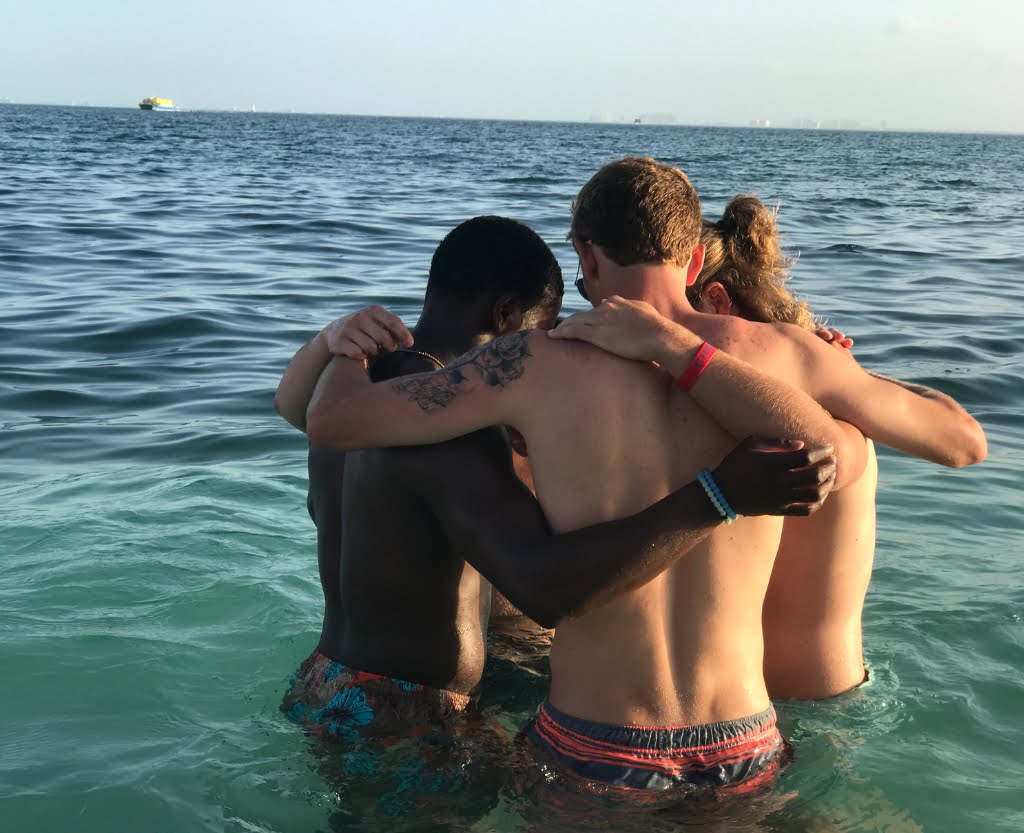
x: 770, y: 124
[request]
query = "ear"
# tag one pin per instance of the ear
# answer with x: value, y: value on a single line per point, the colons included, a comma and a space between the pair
x: 590, y: 265
x: 718, y: 298
x: 588, y: 259
x: 507, y: 314
x: 695, y: 265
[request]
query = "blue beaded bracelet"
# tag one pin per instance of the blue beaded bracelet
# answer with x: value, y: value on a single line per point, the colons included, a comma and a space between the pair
x: 721, y: 498
x: 715, y: 496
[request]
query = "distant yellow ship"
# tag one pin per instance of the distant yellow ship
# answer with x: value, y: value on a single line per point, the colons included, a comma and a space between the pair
x: 152, y: 103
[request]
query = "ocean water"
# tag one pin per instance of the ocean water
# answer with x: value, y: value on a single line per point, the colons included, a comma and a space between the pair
x: 157, y: 566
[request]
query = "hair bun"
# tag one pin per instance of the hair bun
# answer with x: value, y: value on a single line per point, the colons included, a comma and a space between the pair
x: 749, y: 232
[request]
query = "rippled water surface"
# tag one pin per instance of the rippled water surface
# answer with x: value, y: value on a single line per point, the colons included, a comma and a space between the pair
x: 158, y: 579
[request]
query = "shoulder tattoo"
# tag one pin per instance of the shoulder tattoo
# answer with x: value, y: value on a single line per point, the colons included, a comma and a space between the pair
x: 497, y: 363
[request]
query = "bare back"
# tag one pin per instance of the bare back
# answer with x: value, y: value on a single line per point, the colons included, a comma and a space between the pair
x: 607, y: 438
x: 812, y: 612
x: 399, y: 598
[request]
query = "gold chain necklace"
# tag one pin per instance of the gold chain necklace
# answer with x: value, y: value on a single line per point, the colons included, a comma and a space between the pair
x: 434, y: 359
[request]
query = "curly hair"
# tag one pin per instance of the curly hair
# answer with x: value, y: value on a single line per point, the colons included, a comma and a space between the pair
x: 742, y: 252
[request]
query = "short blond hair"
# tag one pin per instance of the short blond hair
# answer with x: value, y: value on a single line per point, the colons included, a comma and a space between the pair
x: 639, y: 211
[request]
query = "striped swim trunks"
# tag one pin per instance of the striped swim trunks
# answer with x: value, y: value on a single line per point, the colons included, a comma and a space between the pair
x: 329, y: 698
x: 737, y: 755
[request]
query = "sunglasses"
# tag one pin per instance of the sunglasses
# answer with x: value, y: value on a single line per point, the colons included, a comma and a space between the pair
x: 579, y: 283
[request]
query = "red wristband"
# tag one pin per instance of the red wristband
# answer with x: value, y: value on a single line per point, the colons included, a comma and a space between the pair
x: 688, y: 378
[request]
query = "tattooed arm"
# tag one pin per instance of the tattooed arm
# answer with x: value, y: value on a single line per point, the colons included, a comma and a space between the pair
x: 486, y: 386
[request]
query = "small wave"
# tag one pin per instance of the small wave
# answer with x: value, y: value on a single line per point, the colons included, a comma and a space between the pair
x: 105, y: 231
x: 862, y: 202
x: 531, y: 179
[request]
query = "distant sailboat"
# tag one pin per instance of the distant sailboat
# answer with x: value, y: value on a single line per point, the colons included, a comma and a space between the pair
x: 254, y: 108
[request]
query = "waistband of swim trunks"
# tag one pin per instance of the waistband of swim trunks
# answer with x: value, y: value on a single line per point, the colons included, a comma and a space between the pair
x: 393, y: 685
x: 558, y: 728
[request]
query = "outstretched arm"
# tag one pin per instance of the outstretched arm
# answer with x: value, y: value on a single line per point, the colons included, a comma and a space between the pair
x: 940, y: 430
x: 499, y: 528
x: 914, y: 419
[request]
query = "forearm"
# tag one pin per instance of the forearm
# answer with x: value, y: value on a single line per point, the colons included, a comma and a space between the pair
x: 950, y: 435
x: 425, y: 408
x: 295, y: 390
x: 744, y: 401
x: 920, y: 390
x: 551, y: 577
x: 328, y: 414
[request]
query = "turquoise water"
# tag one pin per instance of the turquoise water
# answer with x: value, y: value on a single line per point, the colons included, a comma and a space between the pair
x: 159, y: 584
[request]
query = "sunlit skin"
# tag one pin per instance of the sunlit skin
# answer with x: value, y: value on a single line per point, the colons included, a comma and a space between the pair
x: 403, y: 532
x: 812, y: 611
x: 648, y: 441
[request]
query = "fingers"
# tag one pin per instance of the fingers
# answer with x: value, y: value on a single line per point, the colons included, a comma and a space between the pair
x: 582, y: 325
x: 798, y: 459
x: 381, y: 336
x: 837, y: 338
x: 355, y: 344
x: 818, y: 453
x: 577, y: 326
x: 384, y: 327
x: 816, y: 473
x: 367, y: 333
x: 802, y: 510
x: 772, y: 444
x: 808, y: 499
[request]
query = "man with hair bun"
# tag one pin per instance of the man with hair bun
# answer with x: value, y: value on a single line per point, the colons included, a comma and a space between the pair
x: 815, y: 600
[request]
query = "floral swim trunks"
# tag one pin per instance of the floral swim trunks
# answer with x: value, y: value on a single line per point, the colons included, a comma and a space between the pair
x: 331, y: 699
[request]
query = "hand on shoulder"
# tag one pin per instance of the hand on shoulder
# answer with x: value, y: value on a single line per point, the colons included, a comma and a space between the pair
x: 366, y: 333
x: 630, y: 329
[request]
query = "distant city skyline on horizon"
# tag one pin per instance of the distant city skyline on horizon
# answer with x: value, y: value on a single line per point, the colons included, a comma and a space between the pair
x: 653, y: 120
x: 944, y: 66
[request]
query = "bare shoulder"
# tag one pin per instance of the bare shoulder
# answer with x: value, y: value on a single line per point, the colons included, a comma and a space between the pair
x: 492, y: 367
x: 758, y: 342
x: 558, y: 355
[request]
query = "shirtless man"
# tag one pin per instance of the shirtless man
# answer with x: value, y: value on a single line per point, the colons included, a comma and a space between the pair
x: 402, y: 533
x: 662, y: 686
x: 812, y: 612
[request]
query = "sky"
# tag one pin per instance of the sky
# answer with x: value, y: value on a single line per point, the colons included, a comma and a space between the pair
x: 902, y: 64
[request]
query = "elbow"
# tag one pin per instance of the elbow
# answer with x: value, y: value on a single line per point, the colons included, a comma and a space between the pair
x: 972, y: 450
x: 546, y: 619
x: 291, y: 416
x: 851, y: 453
x: 324, y: 431
x: 545, y: 611
x: 544, y: 614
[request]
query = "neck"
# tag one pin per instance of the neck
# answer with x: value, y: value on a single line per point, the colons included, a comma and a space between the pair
x: 438, y: 335
x: 661, y: 285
